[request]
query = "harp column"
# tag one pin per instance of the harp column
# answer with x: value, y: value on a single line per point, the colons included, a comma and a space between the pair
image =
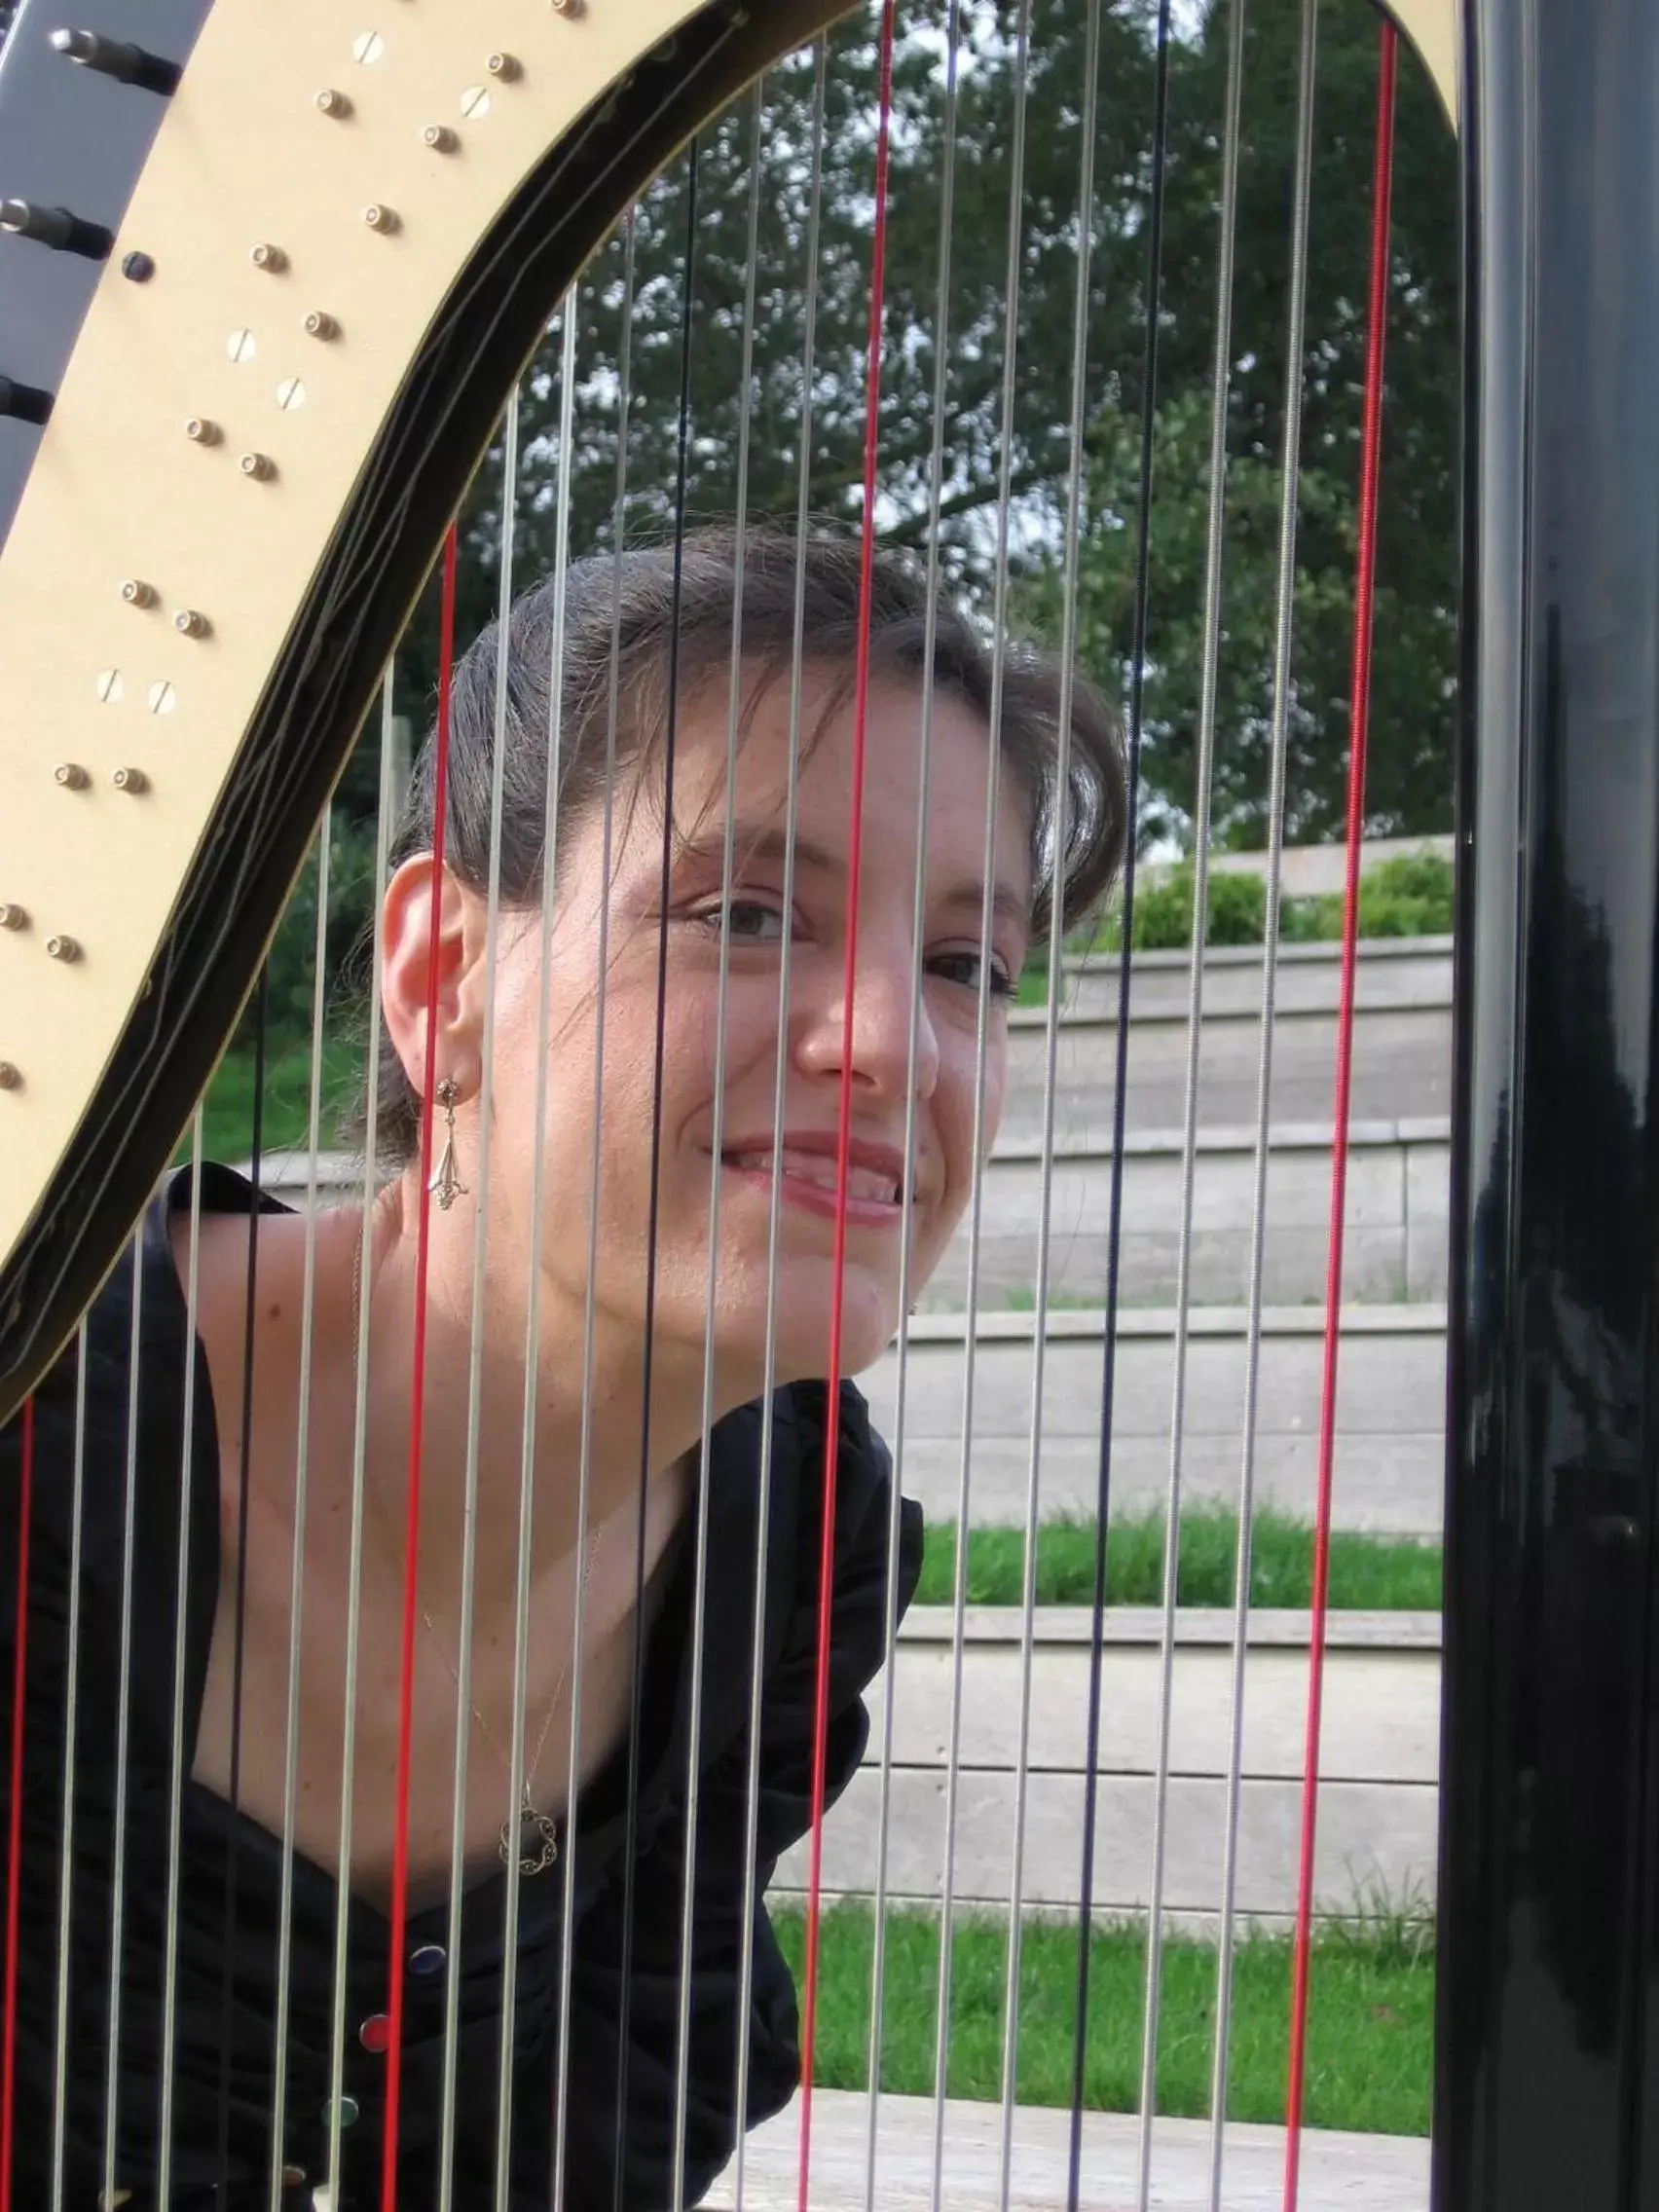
x: 1547, y: 2090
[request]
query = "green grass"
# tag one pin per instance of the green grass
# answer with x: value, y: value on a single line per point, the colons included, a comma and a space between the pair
x: 1370, y: 2016
x: 1368, y: 1573
x: 227, y: 1107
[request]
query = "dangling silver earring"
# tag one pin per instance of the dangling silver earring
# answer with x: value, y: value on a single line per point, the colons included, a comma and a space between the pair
x: 446, y: 1184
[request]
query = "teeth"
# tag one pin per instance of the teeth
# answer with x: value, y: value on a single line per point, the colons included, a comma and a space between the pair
x: 818, y: 1168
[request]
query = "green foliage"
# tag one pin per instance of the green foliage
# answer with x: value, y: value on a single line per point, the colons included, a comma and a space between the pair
x: 1237, y: 911
x: 1370, y: 2017
x: 1414, y: 676
x: 1368, y: 1573
x: 1407, y: 896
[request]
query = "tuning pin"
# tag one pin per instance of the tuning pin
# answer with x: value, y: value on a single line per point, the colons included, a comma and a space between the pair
x: 55, y: 227
x: 114, y: 58
x: 25, y: 401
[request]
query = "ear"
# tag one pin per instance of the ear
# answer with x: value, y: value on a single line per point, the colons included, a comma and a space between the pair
x: 406, y: 974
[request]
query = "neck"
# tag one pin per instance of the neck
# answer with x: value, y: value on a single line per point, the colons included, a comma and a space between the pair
x: 481, y: 1431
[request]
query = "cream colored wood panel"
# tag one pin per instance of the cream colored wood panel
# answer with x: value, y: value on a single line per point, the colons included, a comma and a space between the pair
x: 244, y: 158
x: 1436, y: 27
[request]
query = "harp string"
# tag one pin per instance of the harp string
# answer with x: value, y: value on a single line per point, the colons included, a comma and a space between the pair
x: 359, y: 1435
x: 66, y: 1892
x: 14, y: 1870
x: 764, y: 1499
x: 694, y: 1753
x: 532, y: 1295
x: 118, y: 1869
x: 1221, y: 388
x: 786, y: 961
x: 833, y: 1401
x: 238, y: 1637
x: 482, y: 1190
x: 1120, y: 1084
x: 1285, y: 611
x: 561, y: 2106
x: 302, y: 1461
x: 658, y: 1052
x: 178, y: 1776
x: 418, y: 1398
x: 971, y: 1317
x: 482, y: 1187
x: 1359, y: 719
x: 1051, y: 1047
x: 906, y: 1248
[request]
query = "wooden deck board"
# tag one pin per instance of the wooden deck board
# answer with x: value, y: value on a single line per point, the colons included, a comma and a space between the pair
x: 1340, y: 2173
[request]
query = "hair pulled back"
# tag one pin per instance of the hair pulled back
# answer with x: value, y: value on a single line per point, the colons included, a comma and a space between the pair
x: 619, y: 617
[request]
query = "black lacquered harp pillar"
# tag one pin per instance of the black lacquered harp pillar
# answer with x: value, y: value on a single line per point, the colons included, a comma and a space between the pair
x: 1548, y: 2066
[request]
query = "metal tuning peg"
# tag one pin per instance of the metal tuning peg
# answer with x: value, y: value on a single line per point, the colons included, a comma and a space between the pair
x: 55, y: 227
x: 25, y: 401
x: 115, y: 57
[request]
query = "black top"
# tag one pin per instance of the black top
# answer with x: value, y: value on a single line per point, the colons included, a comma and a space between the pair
x: 226, y: 2005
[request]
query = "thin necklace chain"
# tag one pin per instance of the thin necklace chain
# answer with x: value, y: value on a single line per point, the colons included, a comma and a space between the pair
x: 540, y: 1827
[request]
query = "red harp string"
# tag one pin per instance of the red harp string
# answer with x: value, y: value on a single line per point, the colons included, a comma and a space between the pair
x: 843, y: 1132
x: 418, y: 1392
x: 1360, y: 713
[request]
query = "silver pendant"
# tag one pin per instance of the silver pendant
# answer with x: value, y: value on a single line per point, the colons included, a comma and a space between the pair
x: 536, y: 1841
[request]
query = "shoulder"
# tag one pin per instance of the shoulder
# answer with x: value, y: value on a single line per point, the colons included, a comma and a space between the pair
x: 876, y: 1534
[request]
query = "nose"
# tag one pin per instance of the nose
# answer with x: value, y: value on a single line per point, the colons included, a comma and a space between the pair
x: 888, y: 979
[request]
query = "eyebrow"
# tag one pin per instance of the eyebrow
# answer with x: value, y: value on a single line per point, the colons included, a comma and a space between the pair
x: 767, y: 842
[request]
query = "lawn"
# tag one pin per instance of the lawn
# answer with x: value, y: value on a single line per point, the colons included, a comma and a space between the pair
x: 227, y: 1106
x: 1368, y: 1573
x: 1370, y: 2016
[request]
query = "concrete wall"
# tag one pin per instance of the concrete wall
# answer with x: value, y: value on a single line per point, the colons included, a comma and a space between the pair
x: 1391, y: 1412
x: 1380, y: 1764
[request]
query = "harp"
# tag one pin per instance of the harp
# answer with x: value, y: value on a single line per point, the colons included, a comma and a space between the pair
x: 267, y: 283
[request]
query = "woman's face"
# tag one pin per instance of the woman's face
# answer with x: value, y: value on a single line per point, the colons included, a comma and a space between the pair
x: 722, y: 1111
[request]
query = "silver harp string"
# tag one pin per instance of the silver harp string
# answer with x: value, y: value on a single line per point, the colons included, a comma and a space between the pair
x: 123, y: 1726
x: 975, y: 1203
x: 1221, y: 387
x: 65, y: 1892
x: 177, y: 1782
x: 1074, y: 498
x: 906, y: 1248
x: 296, y: 1586
x: 568, y: 311
x: 734, y: 712
x: 499, y: 739
x: 804, y: 498
x: 636, y: 1702
x: 1283, y: 638
x: 359, y: 1435
x: 584, y: 1471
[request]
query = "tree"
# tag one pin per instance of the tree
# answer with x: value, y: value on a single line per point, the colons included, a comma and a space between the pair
x: 1415, y: 664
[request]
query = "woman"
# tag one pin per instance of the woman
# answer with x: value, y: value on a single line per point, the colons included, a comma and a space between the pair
x: 677, y: 1135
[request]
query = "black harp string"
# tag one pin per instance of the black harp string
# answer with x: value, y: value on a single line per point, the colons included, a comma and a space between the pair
x: 124, y: 1716
x: 669, y: 731
x: 1120, y: 1079
x: 238, y: 1640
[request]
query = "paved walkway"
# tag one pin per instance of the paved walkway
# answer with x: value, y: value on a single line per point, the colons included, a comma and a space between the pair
x: 1340, y: 2173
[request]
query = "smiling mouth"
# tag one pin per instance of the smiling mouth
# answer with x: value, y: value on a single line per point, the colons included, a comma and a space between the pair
x: 812, y: 1178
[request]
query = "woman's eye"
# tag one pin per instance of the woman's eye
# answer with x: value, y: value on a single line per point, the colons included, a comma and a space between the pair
x: 964, y: 967
x: 751, y: 921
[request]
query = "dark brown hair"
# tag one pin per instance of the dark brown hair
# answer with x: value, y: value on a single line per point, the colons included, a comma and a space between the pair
x: 629, y: 609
